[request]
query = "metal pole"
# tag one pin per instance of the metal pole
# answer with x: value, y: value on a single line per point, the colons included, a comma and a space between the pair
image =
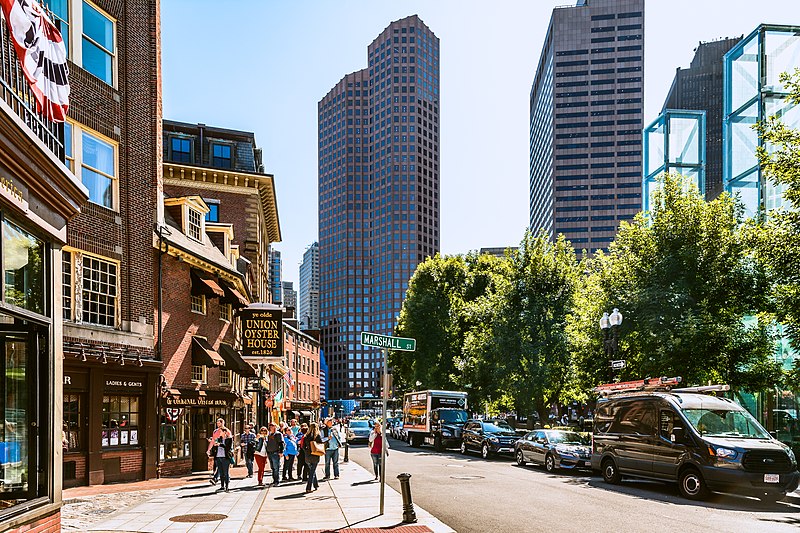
x: 383, y: 426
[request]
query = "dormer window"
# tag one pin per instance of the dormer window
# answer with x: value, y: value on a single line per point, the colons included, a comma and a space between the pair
x: 194, y: 228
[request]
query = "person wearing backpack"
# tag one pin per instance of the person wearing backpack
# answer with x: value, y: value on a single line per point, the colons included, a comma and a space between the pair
x: 332, y: 444
x: 289, y: 454
x: 247, y: 441
x: 275, y: 448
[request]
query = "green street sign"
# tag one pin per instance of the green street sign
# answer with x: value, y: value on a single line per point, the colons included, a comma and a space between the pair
x: 383, y: 341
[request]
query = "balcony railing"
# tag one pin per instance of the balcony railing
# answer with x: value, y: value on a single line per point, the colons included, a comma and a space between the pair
x: 18, y: 95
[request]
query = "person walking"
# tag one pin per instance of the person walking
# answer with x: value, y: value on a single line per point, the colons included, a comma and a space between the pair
x: 294, y: 427
x: 247, y: 441
x: 261, y: 453
x: 375, y: 446
x: 314, y: 448
x: 221, y: 449
x: 333, y: 442
x: 274, y: 451
x: 302, y: 468
x: 289, y: 453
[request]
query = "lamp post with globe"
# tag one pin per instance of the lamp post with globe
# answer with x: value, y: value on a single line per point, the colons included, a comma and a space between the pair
x: 609, y: 324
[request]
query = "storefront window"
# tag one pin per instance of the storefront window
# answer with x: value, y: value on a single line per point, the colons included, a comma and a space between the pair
x: 73, y: 430
x: 120, y: 421
x: 175, y: 433
x: 23, y: 268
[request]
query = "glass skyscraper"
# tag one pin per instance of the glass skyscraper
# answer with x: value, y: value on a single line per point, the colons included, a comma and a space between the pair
x: 753, y: 92
x: 674, y: 142
x: 308, y: 291
x: 378, y: 197
x: 586, y: 122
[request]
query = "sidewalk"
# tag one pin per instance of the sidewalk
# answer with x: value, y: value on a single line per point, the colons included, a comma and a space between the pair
x: 349, y: 504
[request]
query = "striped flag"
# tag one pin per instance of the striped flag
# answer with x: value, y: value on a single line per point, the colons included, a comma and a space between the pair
x: 287, y: 377
x: 42, y: 54
x: 278, y: 399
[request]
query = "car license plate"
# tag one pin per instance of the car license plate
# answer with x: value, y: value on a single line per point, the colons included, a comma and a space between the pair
x: 505, y: 450
x: 772, y: 478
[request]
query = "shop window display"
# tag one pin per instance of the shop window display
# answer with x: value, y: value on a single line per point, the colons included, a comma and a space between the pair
x: 120, y: 421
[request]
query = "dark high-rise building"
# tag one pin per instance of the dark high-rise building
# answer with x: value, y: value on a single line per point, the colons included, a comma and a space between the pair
x: 700, y: 87
x: 586, y: 122
x: 378, y: 196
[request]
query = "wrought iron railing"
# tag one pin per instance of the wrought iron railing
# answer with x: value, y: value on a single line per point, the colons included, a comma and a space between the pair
x: 16, y: 92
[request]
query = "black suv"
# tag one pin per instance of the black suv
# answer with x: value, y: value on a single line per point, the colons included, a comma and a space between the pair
x: 490, y: 436
x: 702, y: 442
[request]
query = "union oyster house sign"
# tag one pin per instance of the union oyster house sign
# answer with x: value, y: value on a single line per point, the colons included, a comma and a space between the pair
x: 262, y: 330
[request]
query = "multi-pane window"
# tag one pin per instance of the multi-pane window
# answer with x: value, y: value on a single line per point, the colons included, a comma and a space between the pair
x: 199, y: 373
x: 60, y: 11
x: 225, y: 312
x: 68, y: 155
x: 120, y: 420
x: 198, y: 304
x: 181, y: 150
x: 225, y: 377
x: 194, y: 227
x: 98, y: 169
x: 99, y: 291
x: 66, y: 285
x: 98, y: 43
x: 72, y: 438
x: 175, y: 433
x: 221, y: 156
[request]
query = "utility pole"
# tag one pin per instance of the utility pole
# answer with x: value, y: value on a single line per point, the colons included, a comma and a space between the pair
x: 385, y: 394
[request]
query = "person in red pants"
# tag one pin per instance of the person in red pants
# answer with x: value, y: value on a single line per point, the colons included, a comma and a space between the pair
x: 261, y: 454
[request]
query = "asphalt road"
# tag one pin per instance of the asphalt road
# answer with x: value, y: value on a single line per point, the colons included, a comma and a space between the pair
x: 476, y: 496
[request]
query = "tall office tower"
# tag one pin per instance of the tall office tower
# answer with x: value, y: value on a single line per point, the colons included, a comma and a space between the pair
x: 700, y: 88
x: 308, y: 291
x: 378, y: 196
x: 290, y: 296
x: 275, y: 275
x: 586, y: 122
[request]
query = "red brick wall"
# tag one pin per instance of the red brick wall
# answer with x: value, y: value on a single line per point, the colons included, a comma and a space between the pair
x: 177, y: 467
x: 236, y: 208
x: 131, y: 115
x: 307, y: 373
x: 80, y: 468
x: 180, y: 324
x: 45, y: 524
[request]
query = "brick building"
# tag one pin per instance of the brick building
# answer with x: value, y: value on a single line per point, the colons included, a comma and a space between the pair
x: 112, y: 136
x: 302, y: 388
x: 203, y: 281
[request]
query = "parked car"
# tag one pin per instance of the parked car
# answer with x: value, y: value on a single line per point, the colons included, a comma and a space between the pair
x: 491, y: 436
x: 703, y: 442
x: 554, y: 449
x: 358, y: 430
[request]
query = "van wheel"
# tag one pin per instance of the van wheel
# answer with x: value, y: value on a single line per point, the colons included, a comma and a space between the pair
x: 550, y: 463
x: 692, y: 485
x: 520, y: 458
x: 610, y: 473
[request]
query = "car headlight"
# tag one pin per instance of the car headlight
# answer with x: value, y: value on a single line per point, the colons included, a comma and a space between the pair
x: 791, y: 455
x: 493, y: 439
x: 725, y: 453
x: 447, y: 433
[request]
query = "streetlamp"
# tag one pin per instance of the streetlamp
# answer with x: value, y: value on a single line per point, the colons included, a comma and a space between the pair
x: 609, y: 324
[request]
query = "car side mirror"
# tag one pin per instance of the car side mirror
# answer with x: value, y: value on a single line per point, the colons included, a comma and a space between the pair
x: 678, y: 435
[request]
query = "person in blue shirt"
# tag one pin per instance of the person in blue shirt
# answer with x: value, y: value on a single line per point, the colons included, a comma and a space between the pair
x: 333, y: 442
x: 289, y: 453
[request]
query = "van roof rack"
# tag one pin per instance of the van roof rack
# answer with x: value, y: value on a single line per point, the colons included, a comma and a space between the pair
x: 705, y: 388
x: 648, y: 384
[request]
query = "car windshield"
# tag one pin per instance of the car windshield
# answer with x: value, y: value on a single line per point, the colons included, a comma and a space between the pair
x: 497, y: 426
x: 566, y: 437
x: 725, y: 423
x: 453, y: 417
x: 359, y: 424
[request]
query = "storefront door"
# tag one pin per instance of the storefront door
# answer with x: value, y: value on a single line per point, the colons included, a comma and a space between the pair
x: 21, y: 450
x: 200, y: 434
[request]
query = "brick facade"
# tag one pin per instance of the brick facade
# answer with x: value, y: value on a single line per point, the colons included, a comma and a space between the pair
x: 47, y: 524
x: 302, y: 358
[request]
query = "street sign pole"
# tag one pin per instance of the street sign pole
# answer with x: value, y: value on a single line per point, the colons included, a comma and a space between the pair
x: 385, y: 395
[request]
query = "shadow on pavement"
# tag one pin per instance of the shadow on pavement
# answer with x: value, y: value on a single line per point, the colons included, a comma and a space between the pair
x: 291, y: 496
x: 357, y: 483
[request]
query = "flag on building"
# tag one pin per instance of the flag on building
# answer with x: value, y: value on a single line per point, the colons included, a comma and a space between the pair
x: 287, y: 377
x: 278, y: 399
x: 42, y: 55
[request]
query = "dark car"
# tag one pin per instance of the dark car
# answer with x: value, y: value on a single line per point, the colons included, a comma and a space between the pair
x: 554, y: 449
x: 703, y: 442
x: 358, y: 430
x: 489, y: 436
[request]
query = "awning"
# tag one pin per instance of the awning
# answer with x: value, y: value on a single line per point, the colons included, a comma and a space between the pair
x: 203, y: 354
x: 306, y: 414
x: 234, y: 361
x: 203, y: 286
x: 234, y: 297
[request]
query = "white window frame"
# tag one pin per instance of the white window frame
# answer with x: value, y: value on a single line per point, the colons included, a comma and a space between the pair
x: 197, y: 304
x: 225, y: 312
x: 194, y: 229
x: 76, y: 286
x: 225, y: 377
x: 75, y: 163
x: 199, y: 374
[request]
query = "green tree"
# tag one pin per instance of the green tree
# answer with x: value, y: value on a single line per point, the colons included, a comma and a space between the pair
x: 684, y: 279
x: 521, y: 343
x: 776, y: 239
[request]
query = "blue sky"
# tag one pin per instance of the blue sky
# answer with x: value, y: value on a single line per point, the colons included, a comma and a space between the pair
x: 262, y: 66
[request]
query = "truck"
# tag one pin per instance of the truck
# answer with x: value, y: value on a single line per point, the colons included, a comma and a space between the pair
x: 435, y: 417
